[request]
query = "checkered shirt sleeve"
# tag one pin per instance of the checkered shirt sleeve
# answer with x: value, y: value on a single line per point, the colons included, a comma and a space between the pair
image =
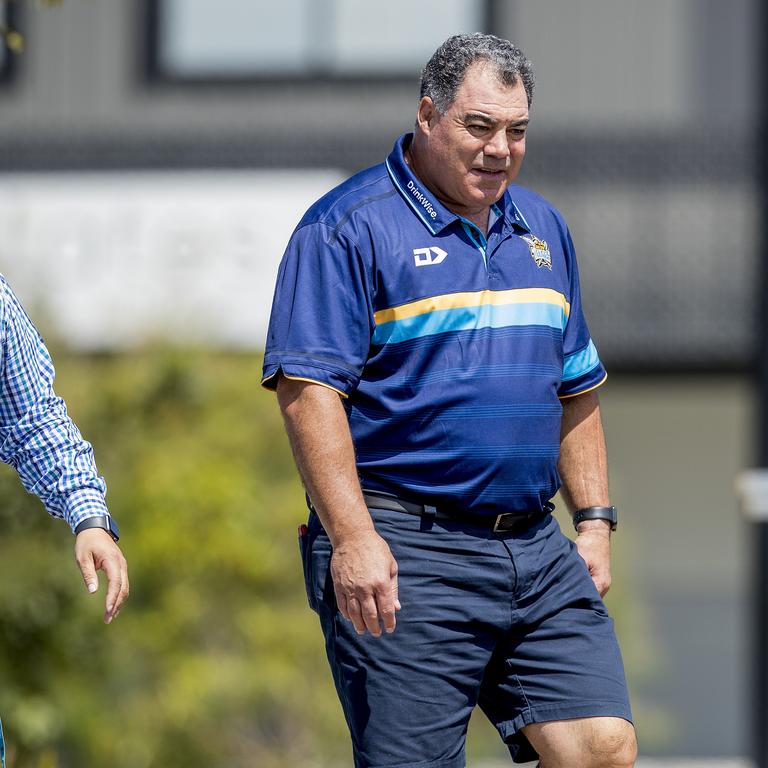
x: 37, y: 437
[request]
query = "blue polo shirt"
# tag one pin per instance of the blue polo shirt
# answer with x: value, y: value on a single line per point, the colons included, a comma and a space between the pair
x: 451, y: 350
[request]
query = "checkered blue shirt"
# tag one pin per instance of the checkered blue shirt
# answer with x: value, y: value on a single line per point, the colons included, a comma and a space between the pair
x: 37, y: 437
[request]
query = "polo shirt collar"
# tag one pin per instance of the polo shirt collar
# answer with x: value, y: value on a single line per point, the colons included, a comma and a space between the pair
x: 512, y: 215
x: 432, y: 213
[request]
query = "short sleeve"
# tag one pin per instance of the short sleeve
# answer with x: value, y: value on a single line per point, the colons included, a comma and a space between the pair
x: 322, y: 320
x: 582, y: 368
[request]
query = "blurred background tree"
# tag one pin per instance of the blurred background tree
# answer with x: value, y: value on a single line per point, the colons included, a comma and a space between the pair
x: 217, y: 661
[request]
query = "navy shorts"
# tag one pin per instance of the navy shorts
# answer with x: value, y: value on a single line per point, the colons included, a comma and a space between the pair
x: 510, y: 622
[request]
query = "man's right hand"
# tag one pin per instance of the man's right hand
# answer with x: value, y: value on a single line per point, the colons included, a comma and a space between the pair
x: 365, y: 582
x: 363, y: 569
x: 96, y: 551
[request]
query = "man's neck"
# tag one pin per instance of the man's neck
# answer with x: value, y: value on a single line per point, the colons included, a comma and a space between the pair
x: 479, y: 217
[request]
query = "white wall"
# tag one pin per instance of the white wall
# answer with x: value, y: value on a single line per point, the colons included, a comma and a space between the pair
x: 113, y: 260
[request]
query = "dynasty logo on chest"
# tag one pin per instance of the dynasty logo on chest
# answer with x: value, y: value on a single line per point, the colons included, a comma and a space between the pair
x: 427, y: 257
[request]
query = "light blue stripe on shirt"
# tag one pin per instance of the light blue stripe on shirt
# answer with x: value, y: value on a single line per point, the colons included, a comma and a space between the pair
x: 469, y: 318
x: 579, y: 363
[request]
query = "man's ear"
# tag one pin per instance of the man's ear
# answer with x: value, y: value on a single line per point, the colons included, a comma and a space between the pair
x: 426, y: 114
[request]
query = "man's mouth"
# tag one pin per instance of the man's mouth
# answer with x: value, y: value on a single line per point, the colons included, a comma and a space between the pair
x: 490, y: 172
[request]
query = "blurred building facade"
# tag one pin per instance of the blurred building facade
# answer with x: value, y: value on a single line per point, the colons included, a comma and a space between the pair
x: 155, y: 155
x: 641, y: 134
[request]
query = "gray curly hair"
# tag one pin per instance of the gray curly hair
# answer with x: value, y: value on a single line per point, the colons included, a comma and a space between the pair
x: 445, y: 71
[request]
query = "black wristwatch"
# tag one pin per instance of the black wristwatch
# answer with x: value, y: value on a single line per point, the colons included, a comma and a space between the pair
x: 596, y: 513
x: 107, y: 522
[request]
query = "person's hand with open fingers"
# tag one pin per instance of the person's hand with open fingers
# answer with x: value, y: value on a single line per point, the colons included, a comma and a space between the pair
x: 364, y: 576
x: 95, y: 550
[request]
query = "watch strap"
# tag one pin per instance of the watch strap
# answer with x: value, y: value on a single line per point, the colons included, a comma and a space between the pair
x: 105, y: 522
x: 596, y: 513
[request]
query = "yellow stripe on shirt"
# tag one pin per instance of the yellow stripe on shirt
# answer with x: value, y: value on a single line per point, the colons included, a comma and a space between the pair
x: 473, y: 299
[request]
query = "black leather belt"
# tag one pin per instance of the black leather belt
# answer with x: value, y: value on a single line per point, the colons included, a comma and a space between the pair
x: 500, y: 523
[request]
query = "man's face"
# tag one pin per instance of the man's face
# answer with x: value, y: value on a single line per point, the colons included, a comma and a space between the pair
x: 473, y: 151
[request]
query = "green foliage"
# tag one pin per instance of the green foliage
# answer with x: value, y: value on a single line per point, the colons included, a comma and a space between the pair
x: 216, y: 659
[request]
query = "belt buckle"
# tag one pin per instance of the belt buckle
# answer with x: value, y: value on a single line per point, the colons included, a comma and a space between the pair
x: 511, y: 519
x: 498, y: 522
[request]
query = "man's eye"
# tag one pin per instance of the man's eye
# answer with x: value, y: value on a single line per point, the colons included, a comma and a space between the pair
x: 478, y: 128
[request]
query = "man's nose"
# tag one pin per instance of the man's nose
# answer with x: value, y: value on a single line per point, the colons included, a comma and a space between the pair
x: 498, y: 145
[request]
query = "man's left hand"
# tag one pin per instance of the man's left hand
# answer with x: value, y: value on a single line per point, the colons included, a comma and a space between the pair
x: 95, y: 550
x: 593, y: 542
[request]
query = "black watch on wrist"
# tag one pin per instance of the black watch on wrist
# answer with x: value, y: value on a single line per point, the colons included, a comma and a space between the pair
x: 595, y: 513
x: 105, y: 522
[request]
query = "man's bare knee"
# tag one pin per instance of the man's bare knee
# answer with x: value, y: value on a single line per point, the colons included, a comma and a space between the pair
x: 613, y: 745
x: 600, y: 742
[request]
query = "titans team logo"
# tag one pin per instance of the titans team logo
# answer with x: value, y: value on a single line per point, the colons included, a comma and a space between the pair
x: 539, y: 251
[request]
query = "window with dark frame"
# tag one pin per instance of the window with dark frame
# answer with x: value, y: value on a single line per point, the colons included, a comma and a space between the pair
x: 239, y: 41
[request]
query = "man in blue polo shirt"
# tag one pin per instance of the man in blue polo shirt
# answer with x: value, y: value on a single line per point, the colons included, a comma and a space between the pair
x: 437, y: 379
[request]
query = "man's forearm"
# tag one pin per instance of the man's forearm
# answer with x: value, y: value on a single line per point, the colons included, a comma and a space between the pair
x: 322, y: 447
x: 55, y: 463
x: 583, y: 469
x: 583, y: 464
x: 37, y: 437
